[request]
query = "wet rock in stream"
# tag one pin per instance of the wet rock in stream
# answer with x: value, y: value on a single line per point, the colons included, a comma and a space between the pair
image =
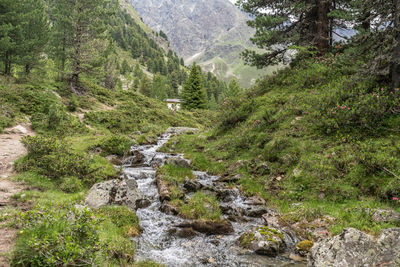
x: 264, y: 241
x: 191, y: 185
x: 210, y: 227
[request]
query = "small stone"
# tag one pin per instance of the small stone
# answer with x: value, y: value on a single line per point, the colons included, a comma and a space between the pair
x: 191, y: 186
x: 296, y: 257
x: 169, y: 209
x: 142, y: 203
x: 186, y: 233
x: 211, y: 260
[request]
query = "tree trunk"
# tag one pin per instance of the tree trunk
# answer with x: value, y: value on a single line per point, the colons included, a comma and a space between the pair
x: 63, y: 57
x: 366, y: 21
x: 77, y: 68
x: 395, y: 66
x: 27, y: 69
x: 323, y: 26
x: 7, y: 70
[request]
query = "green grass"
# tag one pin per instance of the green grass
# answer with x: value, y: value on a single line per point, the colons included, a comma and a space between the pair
x: 175, y: 174
x: 201, y: 206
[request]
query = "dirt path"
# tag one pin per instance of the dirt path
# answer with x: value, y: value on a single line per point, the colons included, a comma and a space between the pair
x: 10, y: 149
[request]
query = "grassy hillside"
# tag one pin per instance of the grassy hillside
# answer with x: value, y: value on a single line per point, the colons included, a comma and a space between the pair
x: 316, y: 139
x: 64, y: 161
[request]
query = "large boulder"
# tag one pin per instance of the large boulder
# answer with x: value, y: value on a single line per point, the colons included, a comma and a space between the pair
x: 264, y: 241
x: 388, y: 216
x: 114, y: 192
x: 355, y: 248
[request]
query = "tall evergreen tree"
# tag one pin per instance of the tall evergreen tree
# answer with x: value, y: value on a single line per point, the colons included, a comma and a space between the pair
x: 193, y: 94
x: 23, y: 32
x: 35, y: 33
x: 61, y: 33
x: 9, y: 32
x: 87, y: 24
x: 145, y: 86
x: 281, y: 24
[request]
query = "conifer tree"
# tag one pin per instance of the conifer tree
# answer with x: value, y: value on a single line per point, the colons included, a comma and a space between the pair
x: 281, y: 24
x: 10, y: 18
x: 23, y: 32
x: 159, y: 90
x: 87, y: 24
x: 233, y: 89
x: 35, y: 33
x: 145, y: 86
x: 193, y: 94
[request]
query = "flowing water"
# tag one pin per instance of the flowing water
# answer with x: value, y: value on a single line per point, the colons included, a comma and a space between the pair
x: 157, y: 244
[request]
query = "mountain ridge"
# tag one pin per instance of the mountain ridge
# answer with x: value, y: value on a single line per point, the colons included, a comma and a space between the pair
x: 198, y: 32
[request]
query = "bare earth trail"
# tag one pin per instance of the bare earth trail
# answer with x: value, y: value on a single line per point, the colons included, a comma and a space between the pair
x: 11, y: 149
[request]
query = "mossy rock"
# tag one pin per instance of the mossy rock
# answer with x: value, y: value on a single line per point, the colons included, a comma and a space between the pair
x: 305, y: 245
x: 246, y: 239
x: 270, y: 233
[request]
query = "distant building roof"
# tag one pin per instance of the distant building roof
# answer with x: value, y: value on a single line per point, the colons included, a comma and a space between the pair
x: 173, y: 100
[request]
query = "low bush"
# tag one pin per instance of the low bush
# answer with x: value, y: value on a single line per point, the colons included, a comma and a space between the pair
x: 52, y: 157
x: 115, y: 145
x: 48, y: 239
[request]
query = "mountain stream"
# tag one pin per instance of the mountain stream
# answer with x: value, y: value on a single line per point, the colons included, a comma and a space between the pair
x: 156, y: 242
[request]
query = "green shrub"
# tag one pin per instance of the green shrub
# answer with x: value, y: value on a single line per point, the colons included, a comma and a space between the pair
x: 48, y: 239
x: 52, y: 157
x: 71, y: 184
x: 73, y: 103
x: 116, y: 145
x: 350, y: 108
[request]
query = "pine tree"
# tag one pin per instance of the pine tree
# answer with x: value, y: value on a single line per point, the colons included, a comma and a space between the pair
x: 287, y: 23
x: 35, y: 33
x: 233, y: 89
x: 23, y: 32
x: 61, y: 33
x: 145, y: 86
x: 125, y: 68
x: 87, y: 24
x: 193, y: 94
x: 10, y: 18
x: 159, y: 87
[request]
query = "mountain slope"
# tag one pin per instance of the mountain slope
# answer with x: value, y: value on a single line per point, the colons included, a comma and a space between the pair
x: 212, y: 32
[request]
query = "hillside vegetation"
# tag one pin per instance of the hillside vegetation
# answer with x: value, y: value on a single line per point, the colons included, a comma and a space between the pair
x: 114, y: 104
x: 315, y: 139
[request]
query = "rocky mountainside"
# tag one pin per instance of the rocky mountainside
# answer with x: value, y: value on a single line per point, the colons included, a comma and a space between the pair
x: 210, y: 32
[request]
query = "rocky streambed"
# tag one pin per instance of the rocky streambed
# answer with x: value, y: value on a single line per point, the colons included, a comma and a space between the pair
x: 249, y: 234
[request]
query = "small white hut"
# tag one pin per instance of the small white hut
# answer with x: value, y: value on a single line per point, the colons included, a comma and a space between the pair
x: 174, y: 104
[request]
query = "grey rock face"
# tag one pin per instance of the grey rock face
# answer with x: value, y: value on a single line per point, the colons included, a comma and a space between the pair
x: 114, y: 192
x: 193, y: 25
x: 355, y: 248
